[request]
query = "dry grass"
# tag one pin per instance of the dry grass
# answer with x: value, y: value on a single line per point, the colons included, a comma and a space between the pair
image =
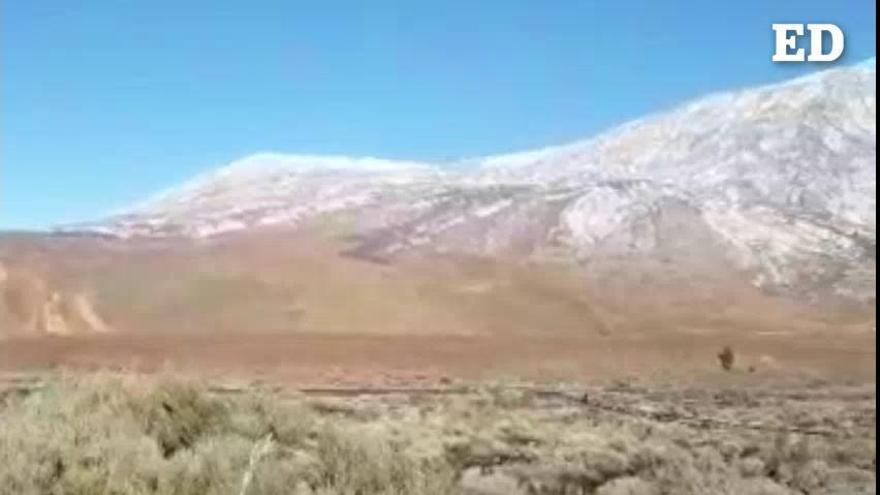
x: 144, y: 435
x: 135, y: 436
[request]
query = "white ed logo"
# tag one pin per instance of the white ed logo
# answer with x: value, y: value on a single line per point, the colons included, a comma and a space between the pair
x: 786, y: 43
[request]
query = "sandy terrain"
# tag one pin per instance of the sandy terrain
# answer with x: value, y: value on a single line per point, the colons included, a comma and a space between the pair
x: 290, y: 306
x: 494, y: 369
x: 358, y: 360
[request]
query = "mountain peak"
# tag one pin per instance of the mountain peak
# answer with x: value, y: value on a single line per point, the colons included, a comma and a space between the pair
x: 777, y: 181
x: 268, y: 162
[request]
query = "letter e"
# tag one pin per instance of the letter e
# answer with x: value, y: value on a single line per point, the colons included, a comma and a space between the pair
x: 785, y: 43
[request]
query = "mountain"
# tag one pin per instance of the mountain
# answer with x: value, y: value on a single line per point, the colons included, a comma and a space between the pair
x: 776, y: 183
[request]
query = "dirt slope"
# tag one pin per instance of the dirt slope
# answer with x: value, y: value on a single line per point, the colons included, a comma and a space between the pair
x: 279, y: 282
x: 291, y: 305
x: 32, y: 306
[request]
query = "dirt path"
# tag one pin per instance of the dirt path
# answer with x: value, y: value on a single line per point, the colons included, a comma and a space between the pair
x: 318, y: 360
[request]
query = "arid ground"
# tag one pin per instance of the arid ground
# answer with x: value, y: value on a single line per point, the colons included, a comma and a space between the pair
x: 291, y: 306
x: 378, y: 361
x: 460, y: 375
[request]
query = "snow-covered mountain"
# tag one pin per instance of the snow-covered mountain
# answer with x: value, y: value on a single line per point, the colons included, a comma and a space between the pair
x: 776, y: 181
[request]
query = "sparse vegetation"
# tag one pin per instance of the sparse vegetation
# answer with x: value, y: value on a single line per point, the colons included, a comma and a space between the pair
x: 726, y: 358
x: 142, y: 435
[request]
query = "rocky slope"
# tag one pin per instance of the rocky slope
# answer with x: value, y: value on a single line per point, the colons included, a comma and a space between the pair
x: 777, y: 182
x: 29, y: 305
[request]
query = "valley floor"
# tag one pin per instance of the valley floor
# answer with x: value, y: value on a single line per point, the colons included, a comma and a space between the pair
x: 636, y: 414
x: 426, y: 361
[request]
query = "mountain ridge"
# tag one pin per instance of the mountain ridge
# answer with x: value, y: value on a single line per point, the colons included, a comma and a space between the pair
x: 776, y: 181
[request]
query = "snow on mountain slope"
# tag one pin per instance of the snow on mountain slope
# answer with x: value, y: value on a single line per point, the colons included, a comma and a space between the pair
x: 264, y: 189
x: 777, y: 181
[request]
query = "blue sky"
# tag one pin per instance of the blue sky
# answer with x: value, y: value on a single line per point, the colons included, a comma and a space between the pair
x: 105, y: 102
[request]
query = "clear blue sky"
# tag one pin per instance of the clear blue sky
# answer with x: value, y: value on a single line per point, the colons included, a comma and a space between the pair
x: 104, y: 102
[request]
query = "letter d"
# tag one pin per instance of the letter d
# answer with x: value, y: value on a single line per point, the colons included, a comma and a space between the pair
x: 816, y: 45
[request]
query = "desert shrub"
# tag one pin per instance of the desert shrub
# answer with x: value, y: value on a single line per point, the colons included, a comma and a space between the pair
x: 726, y: 358
x: 177, y: 415
x: 140, y: 436
x: 364, y: 462
x: 126, y: 437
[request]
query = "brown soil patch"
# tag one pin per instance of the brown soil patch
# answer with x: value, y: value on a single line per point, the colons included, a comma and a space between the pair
x: 360, y: 360
x: 290, y: 306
